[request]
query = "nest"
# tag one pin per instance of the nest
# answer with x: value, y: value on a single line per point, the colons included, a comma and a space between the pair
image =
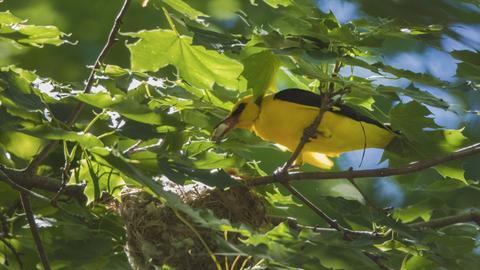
x: 156, y: 237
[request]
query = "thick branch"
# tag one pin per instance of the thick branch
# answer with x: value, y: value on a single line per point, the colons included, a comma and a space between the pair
x: 354, y: 174
x: 5, y: 178
x: 42, y: 182
x: 473, y: 216
x: 112, y: 37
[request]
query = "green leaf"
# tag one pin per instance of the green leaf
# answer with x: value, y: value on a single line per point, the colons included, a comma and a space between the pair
x: 115, y: 71
x: 276, y: 3
x: 410, y: 213
x: 17, y: 91
x: 14, y: 29
x: 198, y: 66
x: 413, y: 76
x: 455, y: 245
x: 418, y: 263
x: 179, y: 173
x: 416, y: 94
x: 124, y: 105
x: 194, y: 148
x: 20, y: 144
x: 378, y: 67
x: 467, y: 56
x: 260, y: 70
x: 279, y: 200
x: 184, y: 9
x: 453, y: 170
x: 397, y: 245
x: 87, y: 140
x: 468, y: 71
x: 411, y: 119
x: 472, y: 170
x: 98, y: 178
x: 470, y: 67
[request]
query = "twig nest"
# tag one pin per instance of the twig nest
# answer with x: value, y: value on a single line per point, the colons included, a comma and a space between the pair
x: 157, y: 237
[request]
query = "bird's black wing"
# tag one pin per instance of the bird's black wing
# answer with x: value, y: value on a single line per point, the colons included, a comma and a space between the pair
x: 311, y: 99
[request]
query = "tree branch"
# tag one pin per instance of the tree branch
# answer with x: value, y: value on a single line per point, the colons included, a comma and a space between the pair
x: 308, y: 133
x: 34, y: 229
x: 23, y: 180
x: 349, y: 234
x: 13, y: 250
x: 406, y: 169
x: 112, y: 37
x: 20, y: 188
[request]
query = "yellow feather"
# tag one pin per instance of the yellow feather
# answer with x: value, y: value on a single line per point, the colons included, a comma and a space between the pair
x: 283, y: 122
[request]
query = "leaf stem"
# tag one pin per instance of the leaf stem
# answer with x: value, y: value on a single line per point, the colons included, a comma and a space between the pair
x: 170, y: 21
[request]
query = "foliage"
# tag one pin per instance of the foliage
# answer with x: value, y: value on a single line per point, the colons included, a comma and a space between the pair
x: 176, y: 71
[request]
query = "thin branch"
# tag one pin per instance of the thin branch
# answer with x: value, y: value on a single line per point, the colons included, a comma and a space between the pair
x: 377, y: 260
x: 34, y: 229
x: 4, y: 228
x: 336, y: 69
x: 317, y: 210
x: 349, y: 234
x: 112, y: 37
x: 14, y: 251
x: 472, y: 216
x: 32, y: 167
x: 293, y: 223
x: 311, y: 131
x: 406, y: 169
x: 307, y: 134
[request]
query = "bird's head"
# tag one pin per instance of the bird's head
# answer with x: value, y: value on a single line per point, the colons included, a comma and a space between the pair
x: 243, y: 115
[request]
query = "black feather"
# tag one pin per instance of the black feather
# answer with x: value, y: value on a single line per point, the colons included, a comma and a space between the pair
x: 311, y: 99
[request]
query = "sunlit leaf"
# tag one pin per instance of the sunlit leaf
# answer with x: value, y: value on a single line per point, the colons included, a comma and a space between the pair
x: 87, y: 140
x: 276, y: 3
x: 15, y: 29
x: 198, y: 66
x: 184, y: 8
x: 260, y: 71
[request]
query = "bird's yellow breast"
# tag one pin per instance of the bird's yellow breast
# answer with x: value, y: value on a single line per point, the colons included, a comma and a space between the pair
x: 283, y: 122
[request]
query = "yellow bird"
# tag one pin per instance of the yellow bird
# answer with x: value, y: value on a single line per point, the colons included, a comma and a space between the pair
x: 282, y: 117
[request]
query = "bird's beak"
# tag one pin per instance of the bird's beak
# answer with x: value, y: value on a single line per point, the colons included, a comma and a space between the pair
x: 223, y: 128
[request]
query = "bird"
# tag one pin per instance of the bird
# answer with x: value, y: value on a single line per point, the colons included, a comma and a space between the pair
x: 282, y: 117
